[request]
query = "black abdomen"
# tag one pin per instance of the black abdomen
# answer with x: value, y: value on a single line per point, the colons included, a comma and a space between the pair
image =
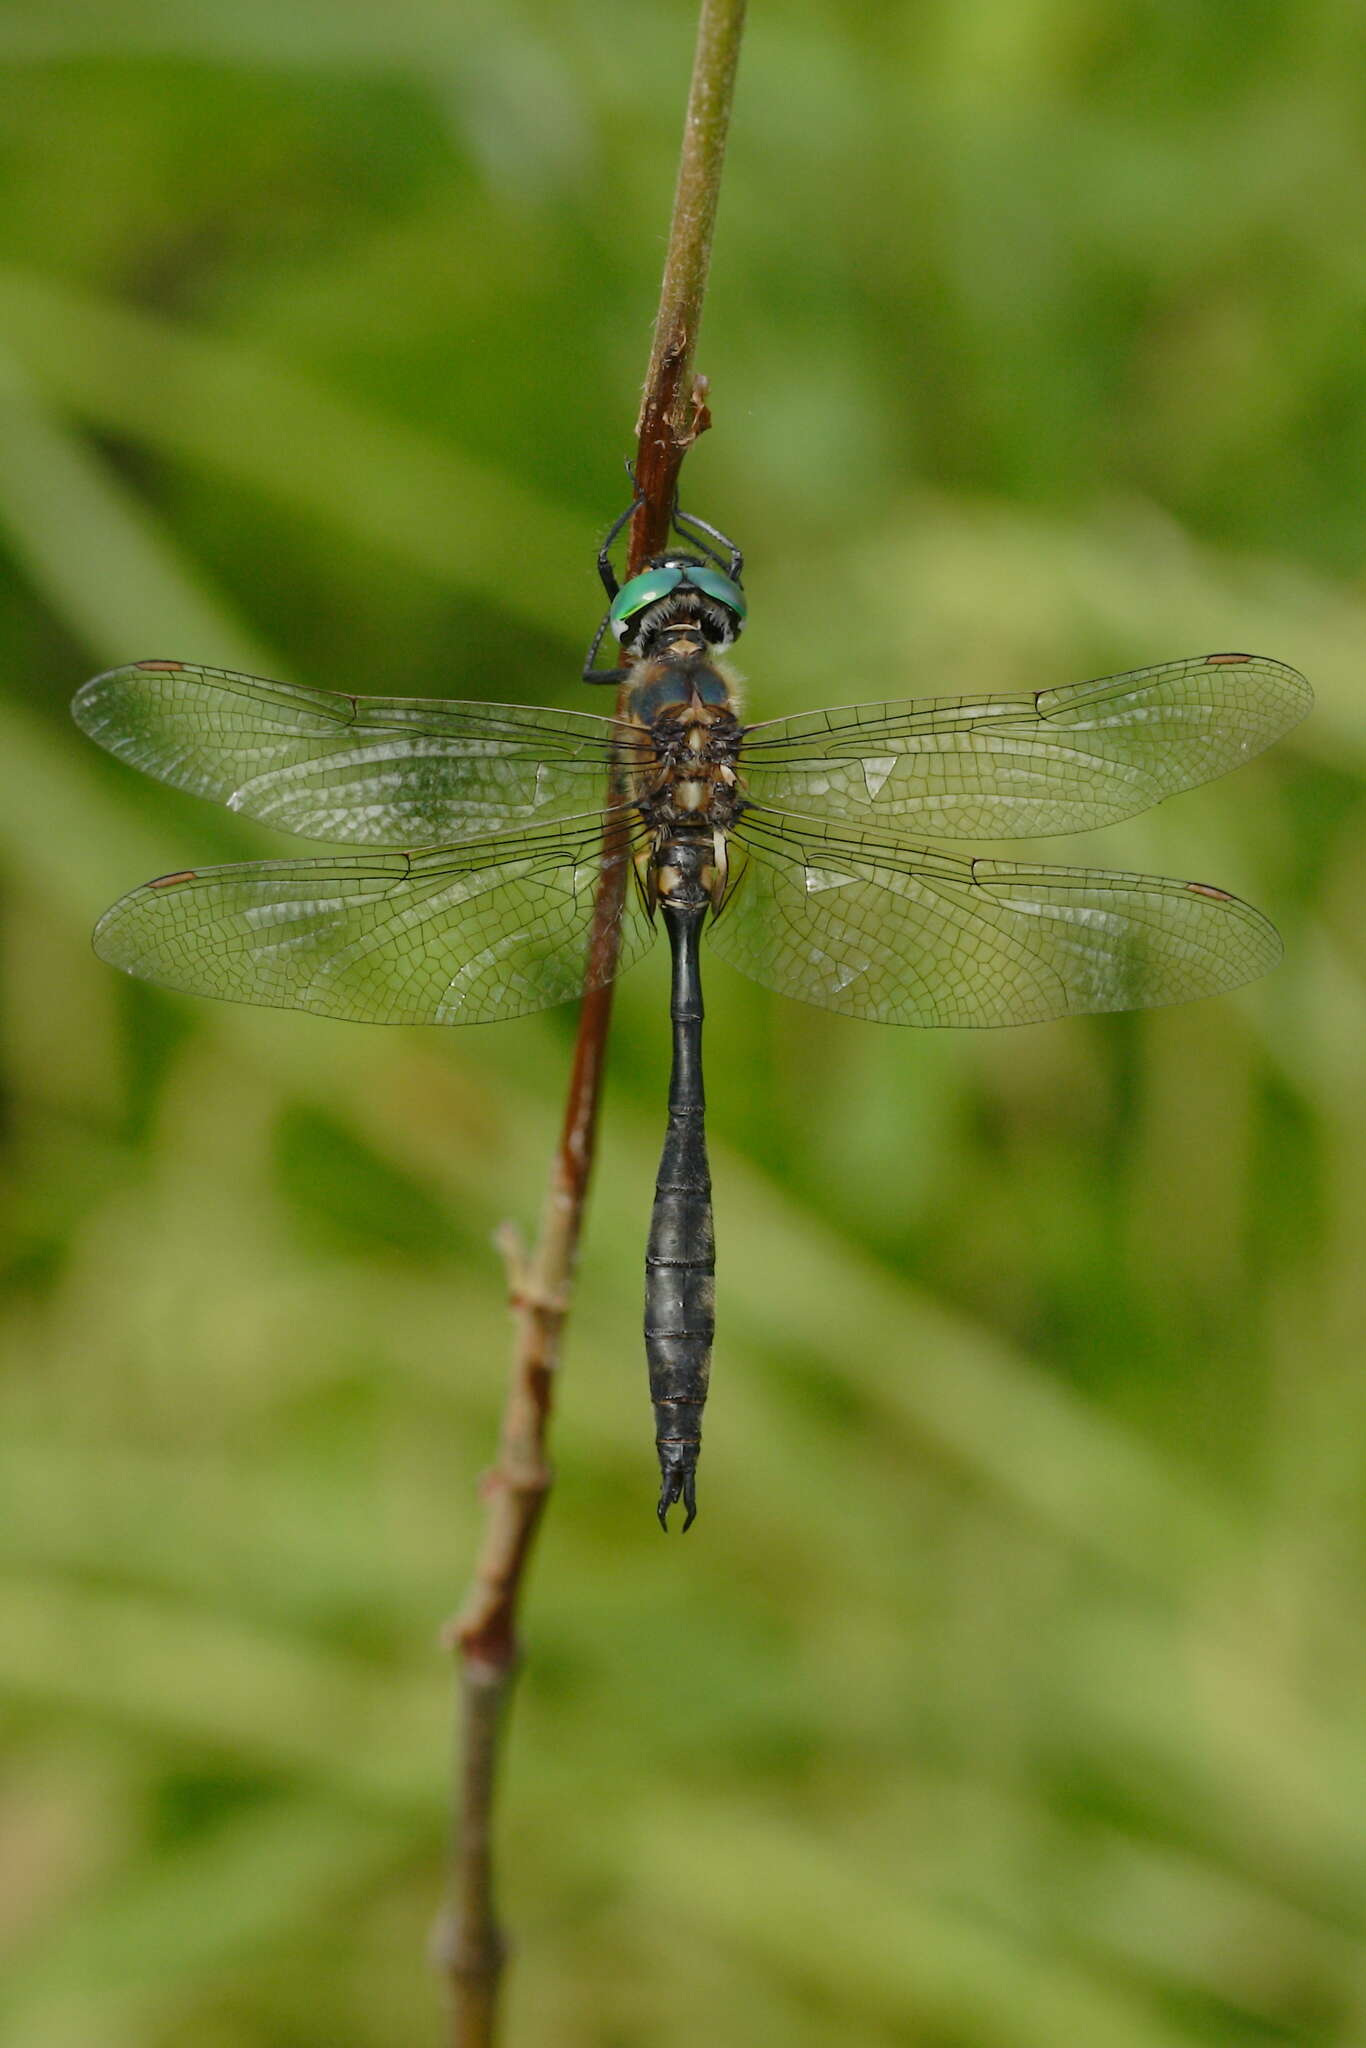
x: 680, y: 1260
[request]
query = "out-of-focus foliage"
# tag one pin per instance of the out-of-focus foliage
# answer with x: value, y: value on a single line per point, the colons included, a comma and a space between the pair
x: 1011, y: 1692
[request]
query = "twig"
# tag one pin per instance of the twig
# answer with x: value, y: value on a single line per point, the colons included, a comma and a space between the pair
x: 470, y: 1944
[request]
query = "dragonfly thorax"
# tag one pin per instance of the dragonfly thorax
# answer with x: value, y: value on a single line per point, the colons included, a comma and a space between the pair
x: 689, y: 794
x: 680, y: 673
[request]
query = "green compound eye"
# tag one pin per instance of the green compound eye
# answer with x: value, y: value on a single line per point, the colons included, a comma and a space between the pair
x: 643, y: 590
x: 721, y: 588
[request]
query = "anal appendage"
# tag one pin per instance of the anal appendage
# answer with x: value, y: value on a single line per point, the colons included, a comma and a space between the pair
x: 678, y: 1476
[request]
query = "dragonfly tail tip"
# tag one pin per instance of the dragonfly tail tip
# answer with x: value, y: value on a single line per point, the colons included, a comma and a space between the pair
x: 678, y: 1485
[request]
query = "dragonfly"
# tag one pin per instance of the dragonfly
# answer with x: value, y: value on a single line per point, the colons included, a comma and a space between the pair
x: 509, y: 857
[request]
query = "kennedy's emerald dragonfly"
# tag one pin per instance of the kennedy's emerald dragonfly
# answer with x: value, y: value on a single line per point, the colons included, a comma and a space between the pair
x: 796, y: 842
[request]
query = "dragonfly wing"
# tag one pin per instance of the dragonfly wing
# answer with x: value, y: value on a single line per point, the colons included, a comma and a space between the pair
x: 461, y: 934
x: 867, y: 925
x: 1019, y: 767
x: 373, y: 771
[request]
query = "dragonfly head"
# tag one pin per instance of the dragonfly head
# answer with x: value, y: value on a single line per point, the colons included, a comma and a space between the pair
x: 674, y: 590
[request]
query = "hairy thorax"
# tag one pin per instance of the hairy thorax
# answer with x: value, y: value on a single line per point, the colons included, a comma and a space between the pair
x: 683, y: 778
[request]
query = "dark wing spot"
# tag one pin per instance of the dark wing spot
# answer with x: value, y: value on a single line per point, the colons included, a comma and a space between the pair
x: 170, y: 667
x: 1205, y: 889
x: 1225, y: 660
x: 170, y: 881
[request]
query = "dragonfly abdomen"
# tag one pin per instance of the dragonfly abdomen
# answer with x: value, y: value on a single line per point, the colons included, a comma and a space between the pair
x: 680, y: 1259
x: 680, y: 1316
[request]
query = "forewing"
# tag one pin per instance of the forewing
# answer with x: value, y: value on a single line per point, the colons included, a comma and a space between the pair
x: 454, y: 935
x: 374, y: 771
x: 1019, y: 767
x: 867, y: 925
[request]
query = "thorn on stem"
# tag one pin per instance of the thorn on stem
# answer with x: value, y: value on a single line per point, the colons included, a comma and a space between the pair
x: 700, y: 412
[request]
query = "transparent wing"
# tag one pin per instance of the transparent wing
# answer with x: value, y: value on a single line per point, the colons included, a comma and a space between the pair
x: 454, y: 935
x: 1020, y: 767
x: 862, y: 923
x: 372, y: 771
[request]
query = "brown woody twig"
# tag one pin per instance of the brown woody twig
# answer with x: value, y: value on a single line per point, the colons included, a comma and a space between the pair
x: 471, y: 1947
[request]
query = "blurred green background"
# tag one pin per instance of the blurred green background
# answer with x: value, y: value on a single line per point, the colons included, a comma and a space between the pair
x: 1011, y: 1692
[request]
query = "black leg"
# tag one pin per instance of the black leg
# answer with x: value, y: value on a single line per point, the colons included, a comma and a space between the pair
x: 605, y: 569
x: 601, y: 675
x: 683, y: 520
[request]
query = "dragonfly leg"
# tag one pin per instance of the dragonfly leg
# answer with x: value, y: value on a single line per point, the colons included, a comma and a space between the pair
x: 600, y: 675
x: 682, y: 521
x: 612, y: 587
x: 605, y: 569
